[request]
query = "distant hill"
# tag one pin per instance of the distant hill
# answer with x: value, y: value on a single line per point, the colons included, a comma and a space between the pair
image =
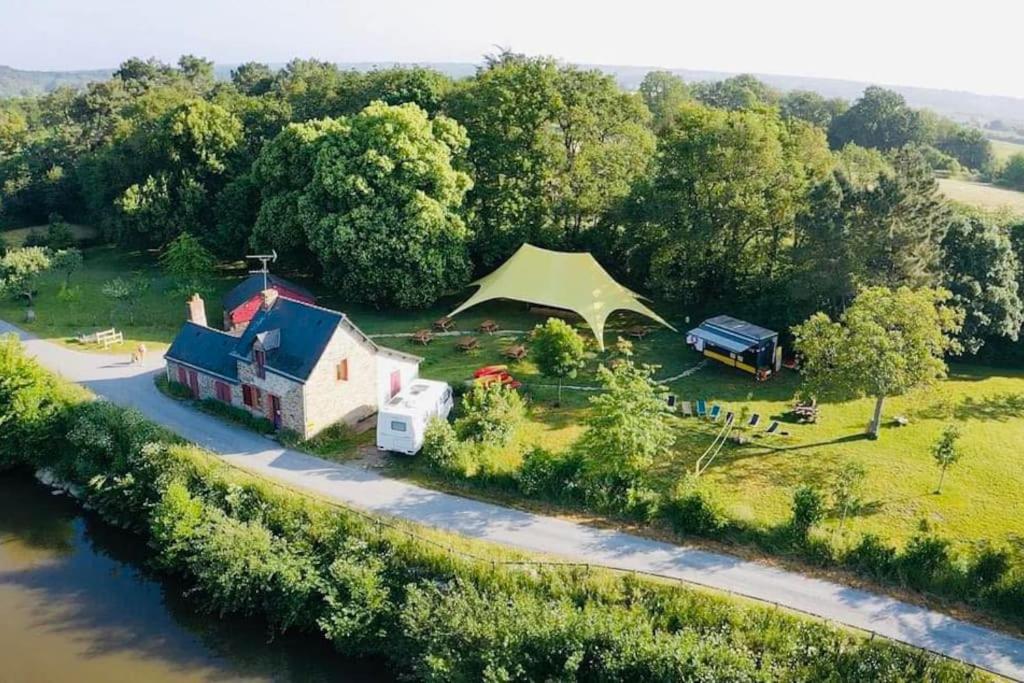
x: 960, y: 105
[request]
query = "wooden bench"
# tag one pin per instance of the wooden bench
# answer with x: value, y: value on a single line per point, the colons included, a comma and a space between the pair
x: 515, y: 352
x: 422, y: 336
x: 444, y: 324
x: 467, y: 343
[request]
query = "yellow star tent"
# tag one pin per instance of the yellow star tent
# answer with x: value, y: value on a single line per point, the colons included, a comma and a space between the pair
x: 571, y: 281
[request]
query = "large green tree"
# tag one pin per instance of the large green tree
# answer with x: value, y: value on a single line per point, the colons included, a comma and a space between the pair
x: 884, y: 344
x: 382, y: 210
x: 879, y: 119
x: 663, y: 92
x: 811, y: 107
x: 720, y: 206
x: 982, y: 271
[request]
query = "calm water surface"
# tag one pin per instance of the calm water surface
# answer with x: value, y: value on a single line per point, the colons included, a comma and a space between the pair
x: 77, y: 604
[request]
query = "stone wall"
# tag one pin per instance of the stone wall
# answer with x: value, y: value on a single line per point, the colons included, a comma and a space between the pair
x: 330, y: 400
x: 206, y: 383
x: 288, y: 390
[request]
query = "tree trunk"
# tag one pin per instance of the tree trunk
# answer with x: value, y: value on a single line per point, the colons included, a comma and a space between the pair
x: 876, y: 421
x: 942, y: 475
x: 558, y: 401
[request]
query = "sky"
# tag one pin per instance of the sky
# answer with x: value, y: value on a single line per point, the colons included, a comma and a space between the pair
x: 963, y: 46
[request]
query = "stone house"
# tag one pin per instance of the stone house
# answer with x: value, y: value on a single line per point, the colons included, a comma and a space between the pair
x: 301, y: 366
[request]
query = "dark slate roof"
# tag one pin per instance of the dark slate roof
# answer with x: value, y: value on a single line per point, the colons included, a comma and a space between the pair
x: 253, y: 285
x: 740, y: 328
x: 206, y: 349
x: 303, y: 331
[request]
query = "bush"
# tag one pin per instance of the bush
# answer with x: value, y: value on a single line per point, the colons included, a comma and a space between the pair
x: 546, y: 475
x: 175, y: 390
x: 872, y: 557
x: 238, y: 415
x: 921, y: 562
x: 808, y: 509
x: 491, y: 414
x: 693, y: 509
x: 440, y: 444
x: 989, y: 566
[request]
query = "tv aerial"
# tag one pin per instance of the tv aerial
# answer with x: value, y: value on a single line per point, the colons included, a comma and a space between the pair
x: 264, y: 259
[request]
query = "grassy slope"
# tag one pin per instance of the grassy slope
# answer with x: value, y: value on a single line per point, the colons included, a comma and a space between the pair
x: 17, y: 237
x: 1003, y: 149
x: 982, y: 194
x: 980, y: 499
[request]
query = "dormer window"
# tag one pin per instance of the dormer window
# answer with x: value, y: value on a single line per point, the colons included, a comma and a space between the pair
x: 259, y: 359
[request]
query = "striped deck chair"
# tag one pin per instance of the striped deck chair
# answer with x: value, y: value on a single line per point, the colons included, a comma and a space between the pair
x: 686, y: 408
x: 716, y: 410
x: 702, y: 408
x: 754, y: 420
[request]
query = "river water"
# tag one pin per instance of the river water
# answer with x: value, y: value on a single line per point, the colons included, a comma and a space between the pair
x: 78, y: 604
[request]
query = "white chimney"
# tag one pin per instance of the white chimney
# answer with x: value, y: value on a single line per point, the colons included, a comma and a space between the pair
x: 196, y: 308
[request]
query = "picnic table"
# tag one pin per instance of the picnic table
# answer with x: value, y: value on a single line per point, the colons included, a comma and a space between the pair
x: 638, y: 331
x: 467, y: 343
x: 444, y: 324
x: 423, y: 336
x: 489, y: 327
x: 516, y: 352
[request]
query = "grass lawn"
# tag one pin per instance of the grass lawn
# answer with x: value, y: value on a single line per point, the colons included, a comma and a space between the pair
x: 17, y: 237
x: 981, y: 497
x: 982, y: 194
x: 1004, y: 149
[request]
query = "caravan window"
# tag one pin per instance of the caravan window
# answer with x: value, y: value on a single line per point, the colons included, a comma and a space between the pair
x: 398, y: 426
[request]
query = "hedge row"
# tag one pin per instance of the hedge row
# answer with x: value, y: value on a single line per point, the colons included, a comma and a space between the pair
x: 989, y: 578
x: 249, y: 547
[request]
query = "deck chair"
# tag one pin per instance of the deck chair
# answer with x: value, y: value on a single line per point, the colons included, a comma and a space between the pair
x: 716, y: 410
x: 773, y: 428
x: 671, y: 401
x: 754, y: 420
x: 686, y: 408
x: 729, y: 417
x: 702, y: 408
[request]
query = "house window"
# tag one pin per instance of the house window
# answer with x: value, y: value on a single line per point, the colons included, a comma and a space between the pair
x: 252, y: 396
x: 259, y: 357
x: 397, y: 426
x: 343, y: 370
x: 223, y: 392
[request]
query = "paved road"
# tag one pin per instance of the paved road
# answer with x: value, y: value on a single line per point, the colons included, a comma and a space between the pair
x: 113, y: 378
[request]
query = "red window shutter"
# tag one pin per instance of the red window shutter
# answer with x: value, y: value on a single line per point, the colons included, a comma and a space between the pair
x: 247, y: 395
x: 343, y: 370
x: 223, y: 392
x: 182, y: 375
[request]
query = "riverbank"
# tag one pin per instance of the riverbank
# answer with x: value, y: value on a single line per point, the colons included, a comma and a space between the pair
x: 253, y: 549
x: 79, y: 602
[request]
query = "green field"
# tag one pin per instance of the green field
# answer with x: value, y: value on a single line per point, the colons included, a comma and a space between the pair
x: 17, y: 237
x: 755, y: 481
x: 982, y: 195
x: 1003, y: 149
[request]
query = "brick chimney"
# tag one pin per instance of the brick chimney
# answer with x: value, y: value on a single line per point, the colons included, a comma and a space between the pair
x: 269, y: 297
x: 196, y: 310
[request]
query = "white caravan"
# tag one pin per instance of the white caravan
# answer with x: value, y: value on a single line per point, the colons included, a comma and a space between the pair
x: 402, y: 421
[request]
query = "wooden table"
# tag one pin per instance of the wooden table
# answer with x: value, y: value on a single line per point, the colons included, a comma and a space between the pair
x: 489, y: 327
x: 516, y: 352
x: 444, y: 324
x: 467, y: 343
x: 637, y: 332
x: 423, y: 336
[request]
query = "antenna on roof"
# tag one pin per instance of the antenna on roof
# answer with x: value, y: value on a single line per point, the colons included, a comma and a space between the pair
x: 264, y: 259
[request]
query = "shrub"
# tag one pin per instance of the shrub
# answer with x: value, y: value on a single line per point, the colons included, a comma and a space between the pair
x: 440, y: 444
x: 241, y: 416
x: 547, y: 475
x: 922, y: 560
x: 989, y: 566
x: 808, y: 509
x: 491, y: 414
x: 693, y: 509
x: 175, y: 390
x: 872, y: 557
